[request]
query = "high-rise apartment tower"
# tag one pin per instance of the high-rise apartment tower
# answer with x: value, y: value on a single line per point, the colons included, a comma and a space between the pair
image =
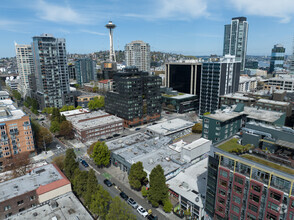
x: 235, y: 39
x: 137, y: 53
x: 277, y: 58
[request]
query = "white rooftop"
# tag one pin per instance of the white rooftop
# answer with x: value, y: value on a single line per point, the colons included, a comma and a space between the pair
x: 93, y: 120
x: 39, y: 176
x: 273, y: 102
x: 179, y: 96
x: 237, y: 96
x: 75, y: 112
x: 262, y: 115
x: 224, y: 115
x: 196, y: 144
x: 4, y: 93
x: 191, y: 183
x: 66, y: 206
x: 171, y: 126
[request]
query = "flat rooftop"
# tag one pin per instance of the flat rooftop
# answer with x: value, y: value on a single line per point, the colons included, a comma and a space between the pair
x: 171, y: 126
x: 37, y: 177
x: 262, y: 115
x: 238, y: 96
x: 93, y: 120
x: 75, y: 112
x: 9, y: 114
x: 191, y: 183
x: 273, y: 102
x: 224, y: 115
x: 66, y: 206
x: 4, y: 93
x: 179, y: 96
x: 127, y: 141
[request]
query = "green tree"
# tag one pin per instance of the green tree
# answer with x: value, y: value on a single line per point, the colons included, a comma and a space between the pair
x: 137, y: 176
x: 70, y: 163
x: 55, y: 115
x: 66, y: 130
x: 101, y: 154
x: 158, y: 191
x: 79, y: 107
x: 80, y: 182
x: 100, y: 202
x: 59, y: 161
x: 206, y: 113
x: 144, y: 191
x: 96, y: 103
x: 90, y: 149
x: 64, y: 108
x: 16, y: 95
x: 42, y: 135
x: 62, y: 118
x: 197, y: 128
x: 92, y: 187
x: 167, y: 206
x: 119, y: 210
x: 55, y: 126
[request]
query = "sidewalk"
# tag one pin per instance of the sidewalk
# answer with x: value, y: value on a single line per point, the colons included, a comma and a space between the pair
x: 122, y: 177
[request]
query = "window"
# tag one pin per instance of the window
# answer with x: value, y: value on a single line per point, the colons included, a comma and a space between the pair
x: 235, y: 209
x: 234, y: 217
x: 250, y: 216
x: 273, y: 206
x: 223, y: 173
x: 22, y: 209
x: 254, y: 197
x: 222, y: 192
x: 20, y: 202
x: 223, y: 183
x: 206, y: 120
x: 253, y: 208
x: 270, y: 216
x: 239, y: 180
x: 256, y: 188
x: 8, y: 215
x: 221, y: 200
x: 32, y: 198
x: 236, y: 199
x: 237, y: 189
x: 7, y: 208
x: 291, y: 215
x: 220, y: 209
x: 275, y: 196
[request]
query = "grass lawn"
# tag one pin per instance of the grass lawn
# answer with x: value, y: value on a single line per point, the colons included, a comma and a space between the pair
x: 270, y: 164
x: 232, y: 145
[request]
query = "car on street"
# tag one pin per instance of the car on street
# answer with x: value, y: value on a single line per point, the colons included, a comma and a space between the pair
x: 137, y: 129
x: 142, y: 211
x: 85, y: 164
x: 124, y: 196
x: 152, y: 217
x: 132, y: 203
x: 107, y: 183
x: 58, y: 146
x: 116, y: 135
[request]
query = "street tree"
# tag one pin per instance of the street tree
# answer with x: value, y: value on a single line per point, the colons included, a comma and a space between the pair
x: 144, y: 191
x: 92, y: 187
x: 158, y: 191
x: 137, y: 176
x: 80, y: 182
x: 43, y: 137
x: 70, y: 163
x: 168, y: 206
x: 18, y: 164
x: 59, y: 161
x: 101, y: 154
x: 90, y: 149
x: 119, y: 210
x: 55, y: 126
x: 55, y: 115
x: 66, y: 130
x: 100, y: 202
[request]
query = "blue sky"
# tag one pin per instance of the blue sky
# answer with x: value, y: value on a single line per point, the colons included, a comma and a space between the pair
x: 191, y: 27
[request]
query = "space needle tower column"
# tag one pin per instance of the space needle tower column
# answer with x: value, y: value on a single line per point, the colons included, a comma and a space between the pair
x: 111, y: 26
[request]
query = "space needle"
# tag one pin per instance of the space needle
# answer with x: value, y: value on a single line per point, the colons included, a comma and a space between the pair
x: 111, y: 26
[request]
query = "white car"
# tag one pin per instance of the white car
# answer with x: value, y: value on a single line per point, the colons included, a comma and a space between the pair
x: 142, y: 211
x: 58, y: 146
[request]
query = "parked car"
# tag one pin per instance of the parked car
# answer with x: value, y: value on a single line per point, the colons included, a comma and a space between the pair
x: 85, y: 164
x: 116, y: 135
x: 107, y: 182
x: 152, y: 217
x: 142, y: 211
x: 58, y: 146
x: 132, y: 203
x: 137, y: 129
x: 124, y: 196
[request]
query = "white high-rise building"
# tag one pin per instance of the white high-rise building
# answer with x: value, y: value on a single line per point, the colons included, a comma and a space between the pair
x: 235, y: 39
x: 137, y: 54
x: 25, y: 66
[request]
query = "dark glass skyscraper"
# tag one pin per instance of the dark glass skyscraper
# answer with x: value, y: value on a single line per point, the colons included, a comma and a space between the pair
x: 277, y: 58
x: 235, y: 39
x: 135, y: 97
x: 85, y: 70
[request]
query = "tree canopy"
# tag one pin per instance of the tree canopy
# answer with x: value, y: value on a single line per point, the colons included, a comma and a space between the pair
x: 100, y: 202
x: 92, y: 187
x: 96, y: 103
x: 66, y: 130
x: 137, y: 176
x: 70, y: 163
x: 101, y: 154
x: 158, y: 191
x: 119, y: 210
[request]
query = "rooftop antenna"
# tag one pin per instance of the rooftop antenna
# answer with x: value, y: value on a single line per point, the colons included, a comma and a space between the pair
x: 111, y: 26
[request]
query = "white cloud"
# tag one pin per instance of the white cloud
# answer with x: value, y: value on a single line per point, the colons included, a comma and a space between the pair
x: 12, y: 26
x: 182, y: 8
x: 283, y: 9
x: 57, y: 13
x: 94, y: 32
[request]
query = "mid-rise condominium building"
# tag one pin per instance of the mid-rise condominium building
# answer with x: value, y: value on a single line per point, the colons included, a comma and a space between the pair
x: 277, y: 58
x: 137, y: 53
x: 85, y: 70
x: 282, y: 82
x: 51, y: 71
x: 16, y: 132
x: 235, y: 39
x: 25, y: 67
x: 218, y: 78
x: 135, y: 97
